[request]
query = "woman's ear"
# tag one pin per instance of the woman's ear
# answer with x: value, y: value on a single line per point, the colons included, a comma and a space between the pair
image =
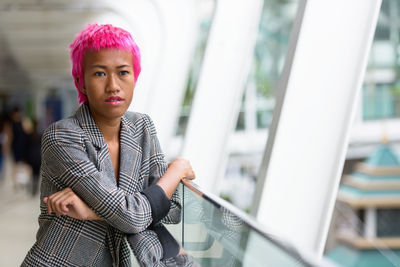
x: 83, y: 90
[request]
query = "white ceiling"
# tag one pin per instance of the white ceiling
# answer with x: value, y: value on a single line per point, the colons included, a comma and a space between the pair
x: 34, y: 39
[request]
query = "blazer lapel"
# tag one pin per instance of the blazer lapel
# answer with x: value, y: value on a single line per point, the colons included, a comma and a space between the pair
x: 94, y: 134
x: 130, y: 158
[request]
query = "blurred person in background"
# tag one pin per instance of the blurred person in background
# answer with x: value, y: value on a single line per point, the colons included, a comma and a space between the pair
x: 18, y: 146
x: 33, y: 155
x: 104, y: 178
x: 3, y: 143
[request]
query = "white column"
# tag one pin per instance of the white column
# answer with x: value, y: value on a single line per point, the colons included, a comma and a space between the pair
x: 370, y: 223
x: 182, y: 25
x: 220, y: 87
x: 145, y: 21
x: 308, y: 138
x: 166, y: 32
x: 250, y: 105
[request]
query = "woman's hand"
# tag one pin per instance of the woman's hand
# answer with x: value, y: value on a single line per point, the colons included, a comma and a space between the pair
x: 177, y: 170
x: 183, y: 167
x: 66, y: 202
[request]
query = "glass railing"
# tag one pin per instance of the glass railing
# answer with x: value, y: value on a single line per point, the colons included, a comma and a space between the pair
x: 215, y: 233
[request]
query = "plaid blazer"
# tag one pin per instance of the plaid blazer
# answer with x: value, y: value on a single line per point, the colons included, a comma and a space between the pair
x: 75, y: 155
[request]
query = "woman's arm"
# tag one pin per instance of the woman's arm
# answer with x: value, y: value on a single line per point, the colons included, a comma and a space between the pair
x: 178, y: 169
x: 66, y: 164
x: 66, y: 202
x: 158, y: 167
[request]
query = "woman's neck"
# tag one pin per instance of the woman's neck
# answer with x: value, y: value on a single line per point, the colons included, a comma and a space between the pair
x: 109, y: 128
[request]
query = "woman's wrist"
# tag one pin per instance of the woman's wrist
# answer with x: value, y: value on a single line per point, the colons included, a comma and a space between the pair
x: 178, y: 170
x: 94, y: 217
x: 170, y: 180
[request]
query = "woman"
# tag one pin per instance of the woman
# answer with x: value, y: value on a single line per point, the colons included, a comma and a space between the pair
x: 104, y: 176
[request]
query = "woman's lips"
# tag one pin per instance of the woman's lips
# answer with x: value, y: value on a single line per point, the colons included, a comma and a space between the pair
x: 114, y: 100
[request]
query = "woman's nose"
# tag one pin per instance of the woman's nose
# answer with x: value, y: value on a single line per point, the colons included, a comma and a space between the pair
x: 112, y: 83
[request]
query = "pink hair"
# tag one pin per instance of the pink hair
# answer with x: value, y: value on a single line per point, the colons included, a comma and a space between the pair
x: 95, y: 37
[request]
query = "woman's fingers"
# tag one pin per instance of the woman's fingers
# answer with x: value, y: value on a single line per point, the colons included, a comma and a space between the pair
x: 62, y: 203
x: 56, y: 202
x: 67, y: 199
x: 46, y: 200
x: 52, y: 202
x: 59, y: 201
x: 190, y: 175
x: 184, y: 166
x: 66, y: 202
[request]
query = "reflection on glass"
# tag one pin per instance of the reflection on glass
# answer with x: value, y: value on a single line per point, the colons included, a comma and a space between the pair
x: 216, y: 236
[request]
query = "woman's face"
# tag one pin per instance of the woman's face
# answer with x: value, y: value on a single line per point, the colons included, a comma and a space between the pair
x: 109, y: 82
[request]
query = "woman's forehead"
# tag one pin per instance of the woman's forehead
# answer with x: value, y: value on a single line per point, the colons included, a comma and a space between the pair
x: 109, y: 57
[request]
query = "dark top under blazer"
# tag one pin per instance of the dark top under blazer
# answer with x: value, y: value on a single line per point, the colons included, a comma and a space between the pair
x: 75, y: 155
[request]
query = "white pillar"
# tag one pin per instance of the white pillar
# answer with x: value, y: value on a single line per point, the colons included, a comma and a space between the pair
x: 370, y: 223
x: 220, y: 87
x: 166, y: 32
x: 250, y: 107
x: 145, y: 21
x: 307, y: 143
x: 182, y: 26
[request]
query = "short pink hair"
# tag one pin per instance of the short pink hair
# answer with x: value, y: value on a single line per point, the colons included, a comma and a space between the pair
x: 95, y: 37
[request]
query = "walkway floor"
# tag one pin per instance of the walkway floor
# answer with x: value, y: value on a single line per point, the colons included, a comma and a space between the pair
x: 18, y: 223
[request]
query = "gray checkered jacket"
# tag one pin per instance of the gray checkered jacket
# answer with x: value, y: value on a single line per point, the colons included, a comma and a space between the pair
x: 75, y: 155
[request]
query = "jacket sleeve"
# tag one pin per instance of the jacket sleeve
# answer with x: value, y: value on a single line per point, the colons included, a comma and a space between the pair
x: 66, y: 163
x: 158, y: 166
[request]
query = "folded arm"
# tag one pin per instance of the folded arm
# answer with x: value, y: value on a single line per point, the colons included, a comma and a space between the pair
x: 66, y: 202
x: 67, y: 160
x: 66, y: 164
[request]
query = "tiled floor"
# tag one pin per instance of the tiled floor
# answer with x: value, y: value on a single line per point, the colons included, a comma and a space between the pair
x: 18, y: 220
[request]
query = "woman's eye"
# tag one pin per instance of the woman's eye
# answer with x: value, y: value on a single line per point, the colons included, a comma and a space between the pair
x: 124, y: 72
x: 99, y: 73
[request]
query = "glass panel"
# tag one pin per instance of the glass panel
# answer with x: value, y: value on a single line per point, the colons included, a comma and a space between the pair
x: 216, y: 234
x: 381, y: 90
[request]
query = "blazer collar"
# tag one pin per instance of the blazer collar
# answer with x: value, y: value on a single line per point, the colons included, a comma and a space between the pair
x: 127, y: 127
x: 128, y: 144
x: 90, y: 127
